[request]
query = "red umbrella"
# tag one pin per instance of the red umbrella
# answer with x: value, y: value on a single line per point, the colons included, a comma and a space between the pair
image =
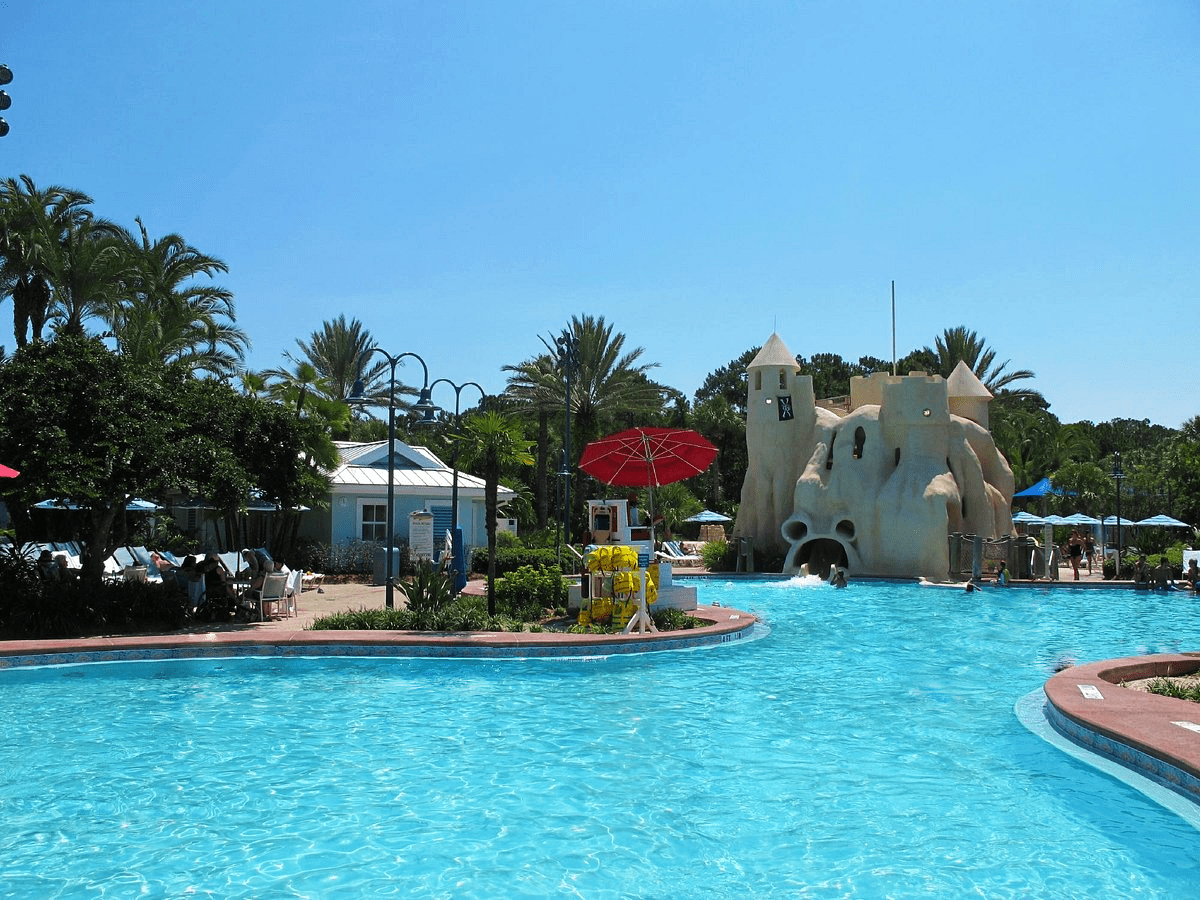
x: 6, y: 472
x: 648, y: 457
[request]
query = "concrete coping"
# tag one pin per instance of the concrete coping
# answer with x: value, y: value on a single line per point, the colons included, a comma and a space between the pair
x: 1156, y: 736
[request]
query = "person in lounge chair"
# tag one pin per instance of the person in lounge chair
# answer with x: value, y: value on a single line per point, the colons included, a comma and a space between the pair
x: 162, y: 565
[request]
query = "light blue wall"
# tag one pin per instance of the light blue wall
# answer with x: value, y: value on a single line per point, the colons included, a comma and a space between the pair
x: 344, y: 526
x: 340, y: 523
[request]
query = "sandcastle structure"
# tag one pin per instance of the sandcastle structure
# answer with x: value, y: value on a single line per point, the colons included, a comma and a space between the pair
x: 877, y: 486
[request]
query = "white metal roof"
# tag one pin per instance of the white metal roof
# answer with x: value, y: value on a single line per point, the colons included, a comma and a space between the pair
x: 417, y: 471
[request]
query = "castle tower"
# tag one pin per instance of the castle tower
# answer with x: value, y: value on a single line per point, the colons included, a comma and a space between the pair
x: 968, y: 397
x: 780, y: 413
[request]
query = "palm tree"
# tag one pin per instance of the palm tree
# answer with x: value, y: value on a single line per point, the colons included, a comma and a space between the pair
x: 165, y: 316
x: 338, y: 353
x: 295, y: 385
x: 33, y: 226
x: 491, y: 444
x: 537, y: 387
x: 607, y: 382
x: 86, y: 274
x: 958, y: 343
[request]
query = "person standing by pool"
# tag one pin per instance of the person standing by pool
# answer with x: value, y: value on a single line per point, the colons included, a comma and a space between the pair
x: 1075, y: 549
x: 1002, y: 574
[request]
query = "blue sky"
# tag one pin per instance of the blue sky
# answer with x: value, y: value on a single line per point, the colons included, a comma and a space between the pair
x: 465, y: 176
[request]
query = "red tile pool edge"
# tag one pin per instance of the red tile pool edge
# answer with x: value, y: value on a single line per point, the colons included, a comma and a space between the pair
x: 726, y: 624
x: 1135, y: 728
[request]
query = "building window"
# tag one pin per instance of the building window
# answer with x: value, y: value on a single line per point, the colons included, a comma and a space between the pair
x: 758, y: 380
x: 374, y: 521
x: 783, y: 379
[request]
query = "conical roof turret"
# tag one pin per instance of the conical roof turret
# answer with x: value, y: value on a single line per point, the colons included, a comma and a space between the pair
x: 774, y: 353
x: 964, y: 383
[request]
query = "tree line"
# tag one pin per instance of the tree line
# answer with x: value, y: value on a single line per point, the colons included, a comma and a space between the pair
x: 161, y: 401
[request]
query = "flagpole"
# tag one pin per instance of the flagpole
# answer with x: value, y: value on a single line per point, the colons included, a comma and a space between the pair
x: 893, y: 327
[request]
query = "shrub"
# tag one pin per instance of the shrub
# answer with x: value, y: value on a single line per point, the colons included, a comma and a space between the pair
x: 671, y: 619
x: 719, y: 556
x: 429, y: 589
x: 528, y: 592
x: 464, y: 613
x: 509, y: 559
x: 32, y: 608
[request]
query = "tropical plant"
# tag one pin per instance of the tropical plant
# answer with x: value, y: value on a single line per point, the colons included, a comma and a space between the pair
x: 428, y: 591
x: 87, y: 274
x: 958, y: 344
x: 338, y: 353
x: 166, y: 315
x: 608, y: 383
x: 491, y: 444
x: 34, y: 224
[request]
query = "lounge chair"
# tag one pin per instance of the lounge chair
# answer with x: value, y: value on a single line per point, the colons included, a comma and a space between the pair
x: 672, y: 553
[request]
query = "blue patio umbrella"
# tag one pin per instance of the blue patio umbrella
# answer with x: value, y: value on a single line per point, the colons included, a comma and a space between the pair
x: 1162, y: 521
x: 708, y: 516
x: 1026, y: 518
x: 1081, y: 519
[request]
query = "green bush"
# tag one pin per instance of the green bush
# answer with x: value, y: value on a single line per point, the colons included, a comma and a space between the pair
x: 32, y: 608
x: 671, y: 619
x: 429, y: 589
x: 509, y: 559
x: 528, y: 592
x: 465, y: 613
x: 719, y: 556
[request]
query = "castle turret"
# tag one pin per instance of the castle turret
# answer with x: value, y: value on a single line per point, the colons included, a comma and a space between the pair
x: 968, y: 397
x: 780, y: 413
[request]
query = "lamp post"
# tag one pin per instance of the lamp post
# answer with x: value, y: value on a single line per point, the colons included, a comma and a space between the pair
x: 425, y: 405
x: 1117, y: 475
x: 568, y: 359
x: 460, y: 572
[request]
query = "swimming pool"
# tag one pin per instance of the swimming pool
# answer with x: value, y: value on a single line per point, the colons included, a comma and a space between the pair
x: 867, y: 746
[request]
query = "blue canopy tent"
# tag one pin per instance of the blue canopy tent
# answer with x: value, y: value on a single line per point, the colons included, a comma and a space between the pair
x: 1040, y: 489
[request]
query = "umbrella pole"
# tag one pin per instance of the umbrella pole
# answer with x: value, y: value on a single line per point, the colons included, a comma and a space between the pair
x: 641, y: 619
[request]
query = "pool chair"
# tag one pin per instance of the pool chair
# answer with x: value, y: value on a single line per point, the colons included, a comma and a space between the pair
x: 274, y: 593
x: 672, y: 553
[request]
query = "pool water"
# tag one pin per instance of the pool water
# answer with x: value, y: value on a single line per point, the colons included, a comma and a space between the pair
x: 867, y: 746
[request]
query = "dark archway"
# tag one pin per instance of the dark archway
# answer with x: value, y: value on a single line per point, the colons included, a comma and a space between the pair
x: 820, y: 555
